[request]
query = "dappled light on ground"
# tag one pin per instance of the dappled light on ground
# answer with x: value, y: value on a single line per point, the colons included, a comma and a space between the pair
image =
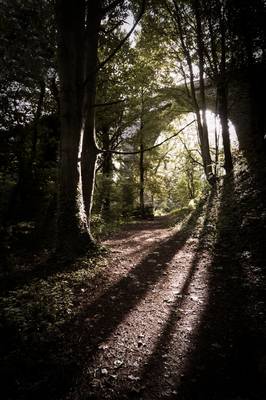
x: 183, y: 318
x: 175, y: 311
x: 229, y: 359
x: 133, y: 200
x: 143, y: 326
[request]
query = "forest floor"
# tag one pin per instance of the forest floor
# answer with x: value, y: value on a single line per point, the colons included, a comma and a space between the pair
x: 175, y: 311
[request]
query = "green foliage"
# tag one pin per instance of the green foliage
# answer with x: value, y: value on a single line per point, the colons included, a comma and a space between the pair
x: 102, y: 228
x: 38, y: 311
x: 144, y: 84
x: 27, y: 45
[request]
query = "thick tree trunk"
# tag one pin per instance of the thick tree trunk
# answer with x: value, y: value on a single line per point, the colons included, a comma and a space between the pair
x: 89, y: 148
x: 72, y: 229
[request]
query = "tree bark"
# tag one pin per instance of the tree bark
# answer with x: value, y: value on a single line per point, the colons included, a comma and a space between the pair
x: 89, y: 148
x: 201, y: 120
x: 73, y: 236
x: 36, y: 122
x: 141, y: 181
x: 141, y: 161
x: 222, y: 93
x: 205, y: 136
x: 107, y: 175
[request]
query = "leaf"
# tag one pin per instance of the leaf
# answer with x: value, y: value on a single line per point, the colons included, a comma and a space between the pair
x: 216, y: 345
x: 133, y: 378
x: 104, y: 371
x: 118, y: 363
x: 103, y: 346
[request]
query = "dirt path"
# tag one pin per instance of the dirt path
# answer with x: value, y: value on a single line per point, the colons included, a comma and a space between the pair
x: 142, y: 328
x: 177, y: 312
x: 180, y: 315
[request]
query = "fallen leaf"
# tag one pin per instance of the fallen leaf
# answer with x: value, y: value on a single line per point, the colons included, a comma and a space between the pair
x: 133, y: 378
x: 118, y: 363
x: 103, y: 347
x: 104, y: 371
x: 216, y: 345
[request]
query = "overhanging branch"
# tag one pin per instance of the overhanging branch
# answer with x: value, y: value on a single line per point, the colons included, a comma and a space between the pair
x: 149, y: 148
x: 113, y: 53
x: 110, y: 103
x: 112, y: 6
x: 189, y: 153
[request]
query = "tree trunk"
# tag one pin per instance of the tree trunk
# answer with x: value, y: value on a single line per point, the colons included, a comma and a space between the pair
x: 207, y: 161
x: 222, y: 93
x: 141, y: 161
x: 73, y: 236
x: 36, y: 123
x: 216, y: 137
x: 201, y: 121
x: 89, y: 148
x: 141, y: 181
x: 190, y: 182
x: 107, y: 176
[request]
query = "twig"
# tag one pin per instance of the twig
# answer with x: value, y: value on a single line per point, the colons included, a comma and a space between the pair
x: 149, y: 148
x: 110, y: 103
x: 113, y: 53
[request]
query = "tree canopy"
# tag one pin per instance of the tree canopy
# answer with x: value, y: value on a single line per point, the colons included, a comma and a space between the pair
x: 85, y: 85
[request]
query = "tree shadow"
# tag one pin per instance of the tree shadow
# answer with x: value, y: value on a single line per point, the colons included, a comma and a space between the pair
x: 154, y: 369
x: 52, y: 265
x: 113, y: 306
x: 97, y: 322
x: 229, y: 360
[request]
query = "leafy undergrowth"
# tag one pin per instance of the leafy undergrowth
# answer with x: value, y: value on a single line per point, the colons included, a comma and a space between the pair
x: 35, y: 317
x: 102, y: 228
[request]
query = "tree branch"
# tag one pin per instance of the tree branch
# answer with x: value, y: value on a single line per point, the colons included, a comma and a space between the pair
x: 149, y: 148
x: 161, y: 159
x: 111, y: 6
x: 189, y: 154
x: 108, y: 103
x: 113, y: 53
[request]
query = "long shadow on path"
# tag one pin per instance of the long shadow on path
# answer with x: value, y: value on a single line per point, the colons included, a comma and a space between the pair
x: 229, y: 362
x: 52, y: 265
x: 96, y: 323
x: 154, y: 370
x: 108, y: 311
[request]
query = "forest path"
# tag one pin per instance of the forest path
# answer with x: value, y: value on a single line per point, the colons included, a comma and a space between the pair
x: 174, y: 310
x: 142, y: 327
x: 180, y: 313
